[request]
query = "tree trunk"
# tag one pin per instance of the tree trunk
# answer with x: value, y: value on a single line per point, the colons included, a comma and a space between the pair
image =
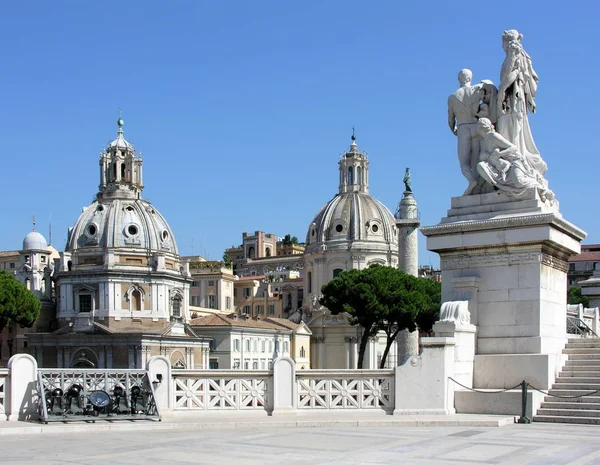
x: 388, y: 344
x: 363, y: 345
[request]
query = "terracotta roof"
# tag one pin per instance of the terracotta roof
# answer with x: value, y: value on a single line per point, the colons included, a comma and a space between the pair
x: 9, y: 253
x: 585, y: 257
x: 284, y: 322
x: 251, y: 278
x: 238, y: 322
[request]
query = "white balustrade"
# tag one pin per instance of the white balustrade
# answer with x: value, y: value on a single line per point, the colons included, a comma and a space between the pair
x: 3, y: 389
x: 220, y: 389
x: 345, y: 389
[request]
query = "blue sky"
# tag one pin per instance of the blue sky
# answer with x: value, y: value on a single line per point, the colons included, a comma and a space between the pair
x: 241, y: 108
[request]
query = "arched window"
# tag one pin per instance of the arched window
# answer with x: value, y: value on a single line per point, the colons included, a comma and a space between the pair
x: 309, y: 279
x: 268, y: 251
x: 250, y: 252
x: 177, y: 306
x: 136, y: 300
x: 302, y: 352
x: 122, y: 171
x: 359, y: 175
x: 336, y: 272
x: 115, y: 171
x: 350, y: 175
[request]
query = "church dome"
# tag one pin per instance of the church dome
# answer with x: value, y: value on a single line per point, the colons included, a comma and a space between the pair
x: 35, y: 241
x: 119, y: 218
x: 131, y: 223
x: 353, y: 219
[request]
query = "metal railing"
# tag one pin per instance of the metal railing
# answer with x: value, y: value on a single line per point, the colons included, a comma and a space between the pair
x: 577, y: 326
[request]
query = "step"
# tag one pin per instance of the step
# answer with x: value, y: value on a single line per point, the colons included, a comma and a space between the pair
x: 582, y: 368
x: 561, y: 419
x: 593, y: 372
x: 567, y: 404
x: 582, y: 350
x: 557, y: 412
x: 579, y: 357
x: 579, y: 379
x: 593, y: 399
x: 586, y: 387
x: 583, y: 343
x: 584, y: 362
x: 573, y: 393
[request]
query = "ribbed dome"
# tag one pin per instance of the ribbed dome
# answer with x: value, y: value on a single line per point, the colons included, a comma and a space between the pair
x: 352, y: 218
x: 35, y: 241
x: 131, y: 223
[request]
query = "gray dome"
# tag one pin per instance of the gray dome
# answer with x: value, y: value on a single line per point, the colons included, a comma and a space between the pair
x: 355, y: 218
x: 131, y: 223
x: 35, y: 241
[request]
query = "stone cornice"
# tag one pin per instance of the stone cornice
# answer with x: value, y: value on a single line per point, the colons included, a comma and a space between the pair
x: 510, y: 222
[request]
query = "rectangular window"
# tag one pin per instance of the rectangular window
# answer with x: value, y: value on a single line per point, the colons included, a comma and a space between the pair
x: 255, y: 345
x: 12, y: 265
x: 309, y: 282
x: 228, y: 303
x: 259, y: 309
x: 236, y: 345
x: 263, y: 346
x: 211, y: 283
x: 43, y: 259
x: 85, y: 303
x: 195, y: 284
x: 234, y: 292
x: 212, y: 301
x: 246, y: 310
x: 271, y: 309
x: 246, y: 292
x: 246, y: 364
x: 286, y: 347
x: 236, y: 364
x: 255, y: 365
x: 213, y: 364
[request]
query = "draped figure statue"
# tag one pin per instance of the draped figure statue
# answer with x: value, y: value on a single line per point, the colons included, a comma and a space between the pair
x: 516, y: 94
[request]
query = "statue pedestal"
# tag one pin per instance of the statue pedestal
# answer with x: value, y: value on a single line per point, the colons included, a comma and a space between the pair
x: 516, y: 252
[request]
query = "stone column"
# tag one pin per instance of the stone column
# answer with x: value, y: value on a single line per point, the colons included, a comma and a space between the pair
x: 60, y: 357
x: 130, y: 357
x: 347, y: 348
x: 109, y: 363
x: 407, y: 344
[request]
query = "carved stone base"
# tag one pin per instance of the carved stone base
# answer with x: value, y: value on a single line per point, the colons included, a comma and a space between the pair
x: 517, y: 251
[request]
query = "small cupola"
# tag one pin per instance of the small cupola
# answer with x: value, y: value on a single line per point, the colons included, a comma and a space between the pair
x: 120, y: 169
x: 354, y: 170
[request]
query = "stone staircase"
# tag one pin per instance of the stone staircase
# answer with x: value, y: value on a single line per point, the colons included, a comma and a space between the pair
x: 580, y: 375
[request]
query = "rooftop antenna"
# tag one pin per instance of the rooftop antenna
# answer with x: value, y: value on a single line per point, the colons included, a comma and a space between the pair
x: 33, y: 221
x: 50, y: 230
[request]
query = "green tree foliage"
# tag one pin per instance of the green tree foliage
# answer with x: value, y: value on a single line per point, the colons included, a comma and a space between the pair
x: 381, y: 298
x: 574, y: 297
x: 226, y: 262
x: 17, y: 304
x: 289, y: 240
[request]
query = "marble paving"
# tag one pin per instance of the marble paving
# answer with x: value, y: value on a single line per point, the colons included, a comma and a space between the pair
x: 536, y: 444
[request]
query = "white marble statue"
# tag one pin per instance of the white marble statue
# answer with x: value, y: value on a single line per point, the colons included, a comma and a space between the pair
x: 455, y: 311
x: 507, y: 160
x: 516, y: 93
x: 504, y: 167
x: 465, y: 106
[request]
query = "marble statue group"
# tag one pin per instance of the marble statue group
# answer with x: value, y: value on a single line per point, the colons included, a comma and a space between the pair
x: 496, y: 150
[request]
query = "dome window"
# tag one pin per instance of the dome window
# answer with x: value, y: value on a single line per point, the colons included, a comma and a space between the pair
x: 374, y: 228
x: 165, y: 235
x: 132, y: 230
x: 91, y: 230
x: 129, y: 208
x: 339, y: 228
x: 100, y: 208
x: 313, y: 233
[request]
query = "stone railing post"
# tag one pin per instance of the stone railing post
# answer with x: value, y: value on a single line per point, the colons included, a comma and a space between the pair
x: 422, y: 385
x: 285, y: 391
x: 22, y: 402
x: 159, y: 374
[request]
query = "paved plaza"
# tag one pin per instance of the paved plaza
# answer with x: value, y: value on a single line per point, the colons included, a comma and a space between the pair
x: 535, y: 444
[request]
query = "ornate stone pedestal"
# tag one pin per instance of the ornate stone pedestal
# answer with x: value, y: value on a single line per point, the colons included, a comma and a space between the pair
x: 508, y: 258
